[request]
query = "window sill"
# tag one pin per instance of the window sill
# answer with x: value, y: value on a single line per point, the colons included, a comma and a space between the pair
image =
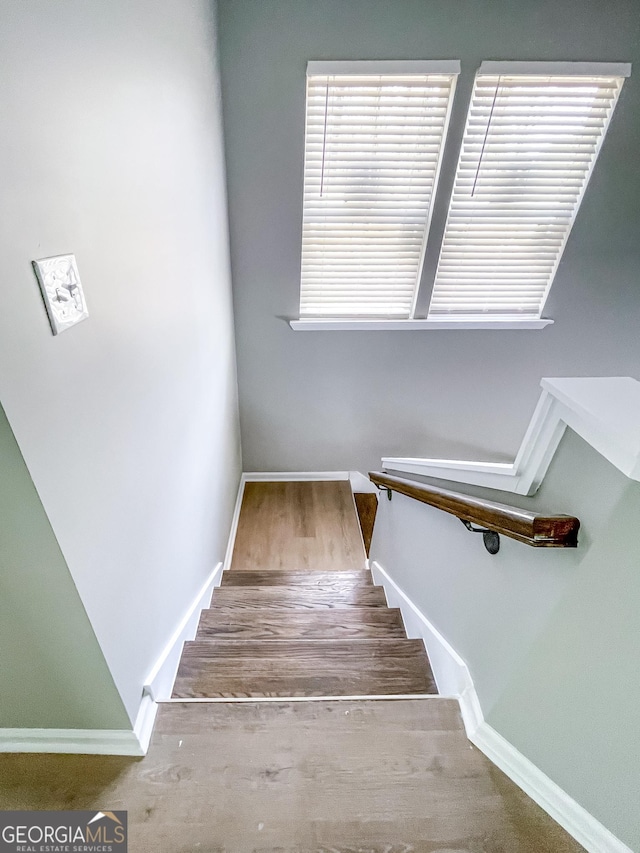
x: 354, y: 325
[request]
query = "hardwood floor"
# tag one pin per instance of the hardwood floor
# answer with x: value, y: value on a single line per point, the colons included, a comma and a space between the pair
x: 309, y: 777
x: 298, y: 525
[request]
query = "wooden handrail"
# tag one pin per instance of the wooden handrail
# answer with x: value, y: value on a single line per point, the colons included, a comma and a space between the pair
x: 541, y: 531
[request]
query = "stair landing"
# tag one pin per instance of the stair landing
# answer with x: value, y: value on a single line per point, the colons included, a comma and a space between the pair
x: 298, y: 526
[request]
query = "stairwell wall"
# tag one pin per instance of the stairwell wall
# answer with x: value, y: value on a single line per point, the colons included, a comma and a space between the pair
x: 53, y: 673
x: 550, y: 636
x: 112, y: 149
x: 318, y: 401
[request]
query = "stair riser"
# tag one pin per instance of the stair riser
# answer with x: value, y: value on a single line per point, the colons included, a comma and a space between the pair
x: 325, y: 688
x: 230, y: 631
x: 317, y: 652
x: 332, y: 580
x: 289, y: 598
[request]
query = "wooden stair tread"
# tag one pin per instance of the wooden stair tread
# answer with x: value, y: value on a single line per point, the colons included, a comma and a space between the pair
x: 323, y: 651
x: 336, y: 623
x: 222, y: 668
x: 279, y: 577
x: 297, y: 597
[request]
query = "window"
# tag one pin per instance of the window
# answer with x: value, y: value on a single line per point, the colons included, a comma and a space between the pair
x: 373, y: 147
x: 375, y: 134
x: 528, y: 150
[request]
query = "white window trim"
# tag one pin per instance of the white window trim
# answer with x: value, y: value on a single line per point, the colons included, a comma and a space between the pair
x: 562, y: 69
x: 436, y: 185
x: 354, y: 325
x: 384, y: 66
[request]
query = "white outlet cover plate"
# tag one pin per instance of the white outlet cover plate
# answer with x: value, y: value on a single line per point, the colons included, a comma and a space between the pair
x: 61, y: 288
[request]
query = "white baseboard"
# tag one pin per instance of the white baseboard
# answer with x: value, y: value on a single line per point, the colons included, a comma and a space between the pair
x: 577, y: 821
x: 454, y: 679
x: 292, y: 476
x: 159, y: 683
x: 145, y: 721
x: 72, y: 741
x: 234, y: 524
x: 359, y: 482
x: 450, y: 671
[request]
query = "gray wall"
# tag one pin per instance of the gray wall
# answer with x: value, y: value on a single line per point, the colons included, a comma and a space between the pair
x: 341, y: 400
x: 112, y: 148
x: 52, y: 672
x: 551, y: 637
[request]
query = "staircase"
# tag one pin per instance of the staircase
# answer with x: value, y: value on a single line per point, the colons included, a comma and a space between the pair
x: 301, y: 634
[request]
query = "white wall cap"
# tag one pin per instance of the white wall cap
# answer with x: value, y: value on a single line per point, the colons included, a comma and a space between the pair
x: 604, y: 411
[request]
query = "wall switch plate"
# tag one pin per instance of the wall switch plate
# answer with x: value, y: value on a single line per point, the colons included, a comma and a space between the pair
x: 61, y: 288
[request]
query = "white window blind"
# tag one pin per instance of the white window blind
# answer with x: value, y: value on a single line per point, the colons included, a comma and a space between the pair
x: 529, y: 146
x: 373, y: 146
